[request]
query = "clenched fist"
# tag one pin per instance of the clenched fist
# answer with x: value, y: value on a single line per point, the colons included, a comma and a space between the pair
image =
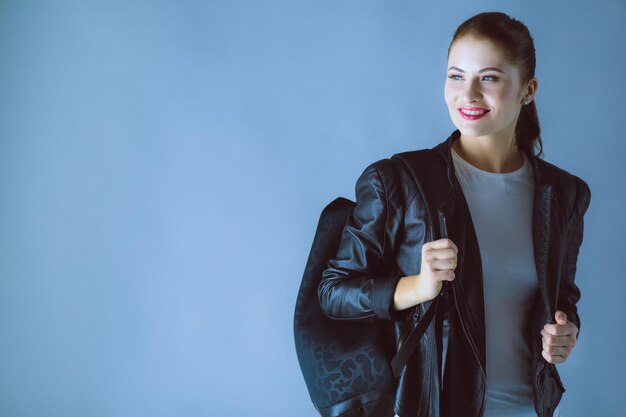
x: 439, y: 259
x: 558, y: 339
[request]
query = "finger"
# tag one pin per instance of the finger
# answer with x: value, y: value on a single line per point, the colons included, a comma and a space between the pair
x: 551, y: 340
x: 431, y: 254
x: 559, y: 330
x: 553, y: 358
x: 442, y: 244
x: 442, y: 264
x: 560, y: 317
x: 445, y: 275
x: 557, y: 350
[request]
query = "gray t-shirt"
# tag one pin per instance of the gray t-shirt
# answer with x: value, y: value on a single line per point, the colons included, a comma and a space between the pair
x: 501, y: 207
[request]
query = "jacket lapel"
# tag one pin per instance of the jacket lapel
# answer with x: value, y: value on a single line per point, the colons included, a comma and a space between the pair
x: 543, y: 228
x: 468, y: 283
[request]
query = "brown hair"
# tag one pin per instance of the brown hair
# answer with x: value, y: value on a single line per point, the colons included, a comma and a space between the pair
x: 513, y: 39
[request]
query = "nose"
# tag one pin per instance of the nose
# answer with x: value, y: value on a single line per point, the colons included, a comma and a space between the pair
x: 471, y: 91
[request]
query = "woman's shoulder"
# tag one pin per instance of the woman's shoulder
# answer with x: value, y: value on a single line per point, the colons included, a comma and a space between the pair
x: 398, y: 180
x: 388, y: 171
x: 557, y: 172
x: 570, y: 187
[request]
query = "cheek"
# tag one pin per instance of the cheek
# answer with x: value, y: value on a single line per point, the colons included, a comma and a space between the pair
x: 448, y: 93
x: 506, y: 95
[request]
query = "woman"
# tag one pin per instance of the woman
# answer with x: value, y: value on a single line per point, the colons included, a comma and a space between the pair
x: 515, y: 225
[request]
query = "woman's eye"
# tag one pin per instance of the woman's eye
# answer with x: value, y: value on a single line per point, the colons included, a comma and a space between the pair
x: 485, y: 78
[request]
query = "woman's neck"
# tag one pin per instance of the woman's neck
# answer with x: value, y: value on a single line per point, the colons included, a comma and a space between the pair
x: 490, y: 153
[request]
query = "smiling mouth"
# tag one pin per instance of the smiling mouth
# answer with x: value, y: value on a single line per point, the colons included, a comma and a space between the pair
x: 473, y: 114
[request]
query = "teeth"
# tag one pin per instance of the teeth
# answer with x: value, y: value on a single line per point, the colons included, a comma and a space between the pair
x: 473, y: 112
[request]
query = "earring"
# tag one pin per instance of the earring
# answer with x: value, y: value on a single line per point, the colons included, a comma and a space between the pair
x: 526, y: 101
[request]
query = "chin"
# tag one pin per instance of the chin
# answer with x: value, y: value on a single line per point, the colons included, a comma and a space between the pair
x: 472, y: 131
x: 469, y: 128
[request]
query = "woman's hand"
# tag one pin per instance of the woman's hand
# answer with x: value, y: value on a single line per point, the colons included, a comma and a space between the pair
x: 558, y: 339
x: 439, y: 259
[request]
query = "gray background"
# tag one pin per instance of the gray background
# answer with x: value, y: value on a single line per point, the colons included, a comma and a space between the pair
x: 163, y: 166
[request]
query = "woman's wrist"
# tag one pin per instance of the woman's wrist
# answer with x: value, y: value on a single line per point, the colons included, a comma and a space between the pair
x: 407, y: 294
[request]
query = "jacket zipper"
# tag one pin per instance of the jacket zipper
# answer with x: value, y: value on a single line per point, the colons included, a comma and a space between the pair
x: 543, y: 280
x: 444, y: 232
x: 474, y: 350
x: 546, y: 406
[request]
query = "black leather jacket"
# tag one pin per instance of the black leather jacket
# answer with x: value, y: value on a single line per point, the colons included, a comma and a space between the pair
x: 382, y: 242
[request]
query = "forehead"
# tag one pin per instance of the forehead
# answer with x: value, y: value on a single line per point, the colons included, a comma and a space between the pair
x: 469, y: 52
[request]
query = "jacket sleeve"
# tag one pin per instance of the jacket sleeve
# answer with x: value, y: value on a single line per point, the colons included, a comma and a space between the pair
x: 569, y: 293
x: 350, y: 288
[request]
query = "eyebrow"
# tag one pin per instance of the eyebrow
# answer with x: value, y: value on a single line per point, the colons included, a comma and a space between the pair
x: 481, y: 71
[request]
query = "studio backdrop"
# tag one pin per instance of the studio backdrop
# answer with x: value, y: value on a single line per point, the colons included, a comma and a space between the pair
x: 163, y: 165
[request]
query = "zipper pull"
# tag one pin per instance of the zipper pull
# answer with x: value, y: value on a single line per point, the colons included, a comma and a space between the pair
x: 416, y: 314
x: 443, y: 227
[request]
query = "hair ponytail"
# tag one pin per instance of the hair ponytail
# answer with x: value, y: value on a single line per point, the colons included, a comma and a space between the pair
x: 527, y: 130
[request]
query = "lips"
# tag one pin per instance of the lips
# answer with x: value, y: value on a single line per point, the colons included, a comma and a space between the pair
x: 472, y: 113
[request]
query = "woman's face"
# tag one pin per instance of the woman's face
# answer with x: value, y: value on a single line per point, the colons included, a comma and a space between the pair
x: 480, y: 78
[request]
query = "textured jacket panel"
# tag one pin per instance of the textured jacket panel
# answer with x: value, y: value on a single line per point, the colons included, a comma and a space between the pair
x: 569, y: 291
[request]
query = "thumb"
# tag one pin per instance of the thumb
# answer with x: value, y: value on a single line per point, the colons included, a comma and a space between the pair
x: 561, y: 317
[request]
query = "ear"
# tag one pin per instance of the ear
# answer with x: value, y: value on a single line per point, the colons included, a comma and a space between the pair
x: 530, y: 90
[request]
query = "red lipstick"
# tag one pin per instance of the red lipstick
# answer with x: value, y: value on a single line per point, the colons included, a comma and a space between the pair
x: 477, y: 112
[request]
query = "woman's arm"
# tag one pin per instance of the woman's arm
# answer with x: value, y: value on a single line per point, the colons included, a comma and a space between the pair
x: 349, y: 288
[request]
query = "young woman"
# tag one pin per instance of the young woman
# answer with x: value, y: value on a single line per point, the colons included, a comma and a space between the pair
x: 515, y: 225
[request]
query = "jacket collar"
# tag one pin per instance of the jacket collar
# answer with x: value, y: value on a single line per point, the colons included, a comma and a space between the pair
x: 445, y: 150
